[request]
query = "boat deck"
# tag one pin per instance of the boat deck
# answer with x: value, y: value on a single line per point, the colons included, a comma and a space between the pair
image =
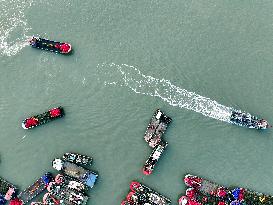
x: 154, y: 196
x: 154, y: 157
x: 36, y: 188
x: 5, y: 186
x: 157, y: 126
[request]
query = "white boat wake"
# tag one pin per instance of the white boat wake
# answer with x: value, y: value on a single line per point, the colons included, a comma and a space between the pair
x: 131, y: 77
x: 13, y: 26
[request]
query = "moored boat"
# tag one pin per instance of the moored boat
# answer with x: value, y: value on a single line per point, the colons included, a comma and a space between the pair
x: 154, y: 157
x: 73, y: 170
x: 64, y: 194
x: 71, y: 183
x: 36, y: 188
x: 77, y: 158
x: 53, y: 46
x: 7, y: 191
x: 43, y: 118
x: 247, y: 120
x: 157, y: 126
x: 141, y: 194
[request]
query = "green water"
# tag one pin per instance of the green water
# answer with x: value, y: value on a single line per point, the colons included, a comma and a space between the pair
x: 221, y: 50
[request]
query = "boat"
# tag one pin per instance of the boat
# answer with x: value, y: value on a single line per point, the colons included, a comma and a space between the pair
x: 154, y: 157
x: 77, y: 158
x: 7, y: 191
x: 70, y: 183
x: 53, y: 46
x: 50, y: 199
x: 64, y: 194
x: 36, y: 188
x: 204, y: 192
x: 43, y: 118
x: 156, y: 127
x: 141, y: 194
x: 75, y: 171
x: 247, y: 120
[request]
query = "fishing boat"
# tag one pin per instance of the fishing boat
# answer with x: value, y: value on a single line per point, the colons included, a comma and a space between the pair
x: 247, y: 120
x: 141, y: 194
x: 156, y: 127
x: 204, y: 192
x: 43, y: 118
x: 64, y: 194
x: 81, y: 174
x: 77, y: 158
x: 7, y: 191
x: 53, y: 46
x: 154, y: 157
x: 36, y: 188
x: 71, y: 183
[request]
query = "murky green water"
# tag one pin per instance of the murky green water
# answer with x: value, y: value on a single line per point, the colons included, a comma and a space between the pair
x: 221, y: 50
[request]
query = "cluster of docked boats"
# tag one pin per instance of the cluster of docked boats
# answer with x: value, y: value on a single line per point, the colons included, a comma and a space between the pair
x: 204, y: 192
x: 67, y: 188
x: 153, y: 136
x: 140, y: 194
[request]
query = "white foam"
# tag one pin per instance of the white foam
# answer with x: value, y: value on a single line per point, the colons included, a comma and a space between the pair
x: 13, y: 26
x: 131, y: 77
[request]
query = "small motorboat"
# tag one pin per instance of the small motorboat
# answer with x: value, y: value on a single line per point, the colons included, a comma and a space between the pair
x: 154, y: 157
x: 247, y: 120
x: 77, y: 158
x: 43, y: 118
x: 202, y: 191
x: 157, y: 126
x: 53, y: 46
x: 141, y: 194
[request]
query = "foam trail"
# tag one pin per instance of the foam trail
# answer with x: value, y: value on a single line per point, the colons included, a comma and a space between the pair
x: 13, y: 26
x: 131, y: 77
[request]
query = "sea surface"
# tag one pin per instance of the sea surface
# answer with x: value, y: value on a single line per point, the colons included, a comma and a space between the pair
x: 195, y: 60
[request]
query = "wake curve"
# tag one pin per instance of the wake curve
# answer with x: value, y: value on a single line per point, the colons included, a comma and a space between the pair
x: 131, y: 77
x: 13, y: 26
